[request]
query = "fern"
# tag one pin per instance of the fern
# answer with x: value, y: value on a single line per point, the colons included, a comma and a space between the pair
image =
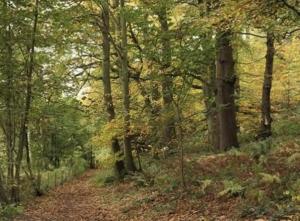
x: 269, y: 178
x: 293, y: 159
x: 205, y: 184
x: 231, y: 189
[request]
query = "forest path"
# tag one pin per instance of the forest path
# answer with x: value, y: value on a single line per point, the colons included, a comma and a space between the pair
x: 76, y: 200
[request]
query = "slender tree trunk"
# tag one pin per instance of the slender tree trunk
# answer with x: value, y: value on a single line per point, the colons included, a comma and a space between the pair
x: 167, y: 83
x: 28, y: 157
x: 209, y: 89
x: 3, y: 196
x: 180, y: 141
x: 34, y: 180
x: 210, y: 92
x: 225, y: 92
x: 25, y: 115
x: 266, y: 119
x: 116, y: 150
x: 129, y: 163
x: 8, y: 126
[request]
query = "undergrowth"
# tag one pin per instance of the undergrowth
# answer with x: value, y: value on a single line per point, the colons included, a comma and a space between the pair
x: 259, y: 180
x: 9, y: 211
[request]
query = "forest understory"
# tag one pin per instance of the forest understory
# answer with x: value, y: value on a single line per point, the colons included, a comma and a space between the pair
x: 255, y: 182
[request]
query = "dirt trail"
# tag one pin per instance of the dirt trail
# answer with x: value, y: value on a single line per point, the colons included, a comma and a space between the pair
x: 77, y: 200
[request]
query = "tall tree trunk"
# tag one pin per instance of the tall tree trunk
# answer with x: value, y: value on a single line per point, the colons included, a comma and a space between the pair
x: 225, y: 91
x: 266, y: 119
x: 25, y: 115
x: 116, y: 150
x: 169, y: 132
x: 129, y: 163
x: 9, y: 121
x: 209, y: 89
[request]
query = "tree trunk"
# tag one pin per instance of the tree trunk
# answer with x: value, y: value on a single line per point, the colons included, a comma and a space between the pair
x: 209, y: 90
x: 180, y: 141
x: 34, y: 180
x: 225, y: 92
x: 25, y: 115
x: 129, y: 163
x: 3, y: 196
x: 8, y: 128
x: 116, y: 150
x: 266, y: 119
x: 169, y: 132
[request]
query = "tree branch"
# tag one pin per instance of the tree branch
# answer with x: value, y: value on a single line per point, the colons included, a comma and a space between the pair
x: 291, y: 7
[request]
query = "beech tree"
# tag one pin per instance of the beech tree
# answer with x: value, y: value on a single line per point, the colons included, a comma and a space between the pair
x: 129, y: 163
x: 168, y: 132
x: 225, y: 91
x: 119, y: 164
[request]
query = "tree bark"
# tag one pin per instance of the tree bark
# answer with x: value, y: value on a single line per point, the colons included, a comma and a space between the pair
x: 115, y: 147
x: 209, y: 90
x: 25, y: 115
x: 266, y: 119
x: 34, y: 180
x: 180, y: 141
x: 225, y: 92
x: 3, y: 196
x: 169, y: 132
x: 129, y: 163
x: 9, y: 125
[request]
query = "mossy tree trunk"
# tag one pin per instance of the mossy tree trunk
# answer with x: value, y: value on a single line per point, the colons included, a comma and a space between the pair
x: 108, y: 100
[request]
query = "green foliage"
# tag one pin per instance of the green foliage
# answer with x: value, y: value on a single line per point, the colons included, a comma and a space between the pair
x: 294, y: 192
x: 287, y: 127
x: 204, y: 185
x: 10, y: 211
x: 260, y: 149
x: 104, y: 177
x: 293, y: 160
x: 231, y: 189
x: 73, y: 166
x: 255, y: 195
x: 269, y: 178
x: 166, y: 183
x: 105, y: 158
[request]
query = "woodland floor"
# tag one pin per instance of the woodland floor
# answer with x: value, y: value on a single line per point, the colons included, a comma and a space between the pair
x: 82, y: 200
x: 76, y: 200
x: 137, y: 198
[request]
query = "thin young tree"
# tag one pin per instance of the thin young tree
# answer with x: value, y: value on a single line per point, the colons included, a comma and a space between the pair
x: 23, y: 133
x: 266, y: 119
